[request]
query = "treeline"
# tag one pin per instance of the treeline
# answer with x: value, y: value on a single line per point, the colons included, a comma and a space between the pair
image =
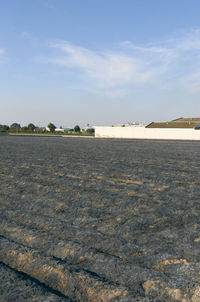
x: 31, y: 128
x: 52, y: 128
x: 15, y: 127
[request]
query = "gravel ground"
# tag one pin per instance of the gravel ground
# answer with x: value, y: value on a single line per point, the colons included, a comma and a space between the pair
x: 99, y: 220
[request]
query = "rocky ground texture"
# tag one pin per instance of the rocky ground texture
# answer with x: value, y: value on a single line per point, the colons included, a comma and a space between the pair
x: 99, y: 220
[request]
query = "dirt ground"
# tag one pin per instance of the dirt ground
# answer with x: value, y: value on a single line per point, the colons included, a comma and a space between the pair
x: 99, y: 220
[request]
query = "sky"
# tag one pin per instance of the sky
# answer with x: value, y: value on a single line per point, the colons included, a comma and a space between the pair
x: 99, y: 62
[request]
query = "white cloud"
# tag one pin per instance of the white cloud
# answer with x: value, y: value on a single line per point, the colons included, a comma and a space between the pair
x: 191, y: 41
x: 113, y: 72
x: 107, y: 69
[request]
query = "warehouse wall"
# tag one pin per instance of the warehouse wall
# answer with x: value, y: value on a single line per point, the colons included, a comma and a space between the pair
x: 147, y: 133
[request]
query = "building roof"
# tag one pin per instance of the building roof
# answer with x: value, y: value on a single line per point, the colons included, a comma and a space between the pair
x: 192, y: 122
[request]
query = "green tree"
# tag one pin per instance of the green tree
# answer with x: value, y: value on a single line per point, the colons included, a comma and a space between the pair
x: 24, y: 128
x: 31, y: 127
x: 15, y: 126
x: 5, y: 128
x: 51, y: 127
x: 90, y: 130
x: 77, y: 128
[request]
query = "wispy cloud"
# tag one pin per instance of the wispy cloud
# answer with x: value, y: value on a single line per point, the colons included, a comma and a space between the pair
x: 192, y: 82
x: 113, y: 72
x: 3, y: 58
x: 2, y: 51
x: 29, y: 37
x: 107, y: 69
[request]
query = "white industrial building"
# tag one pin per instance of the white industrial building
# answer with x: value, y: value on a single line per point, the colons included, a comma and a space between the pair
x: 179, y: 129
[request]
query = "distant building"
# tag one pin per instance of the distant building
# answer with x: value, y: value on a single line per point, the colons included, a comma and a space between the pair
x: 192, y: 122
x: 62, y: 129
x: 133, y: 124
x: 181, y: 128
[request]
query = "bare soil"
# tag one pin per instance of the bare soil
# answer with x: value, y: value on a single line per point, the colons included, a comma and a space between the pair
x: 99, y: 220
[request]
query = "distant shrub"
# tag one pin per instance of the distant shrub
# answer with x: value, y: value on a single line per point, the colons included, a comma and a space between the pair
x: 77, y: 128
x: 4, y: 128
x: 90, y: 131
x: 51, y: 127
x: 19, y: 131
x: 31, y: 127
x: 15, y: 126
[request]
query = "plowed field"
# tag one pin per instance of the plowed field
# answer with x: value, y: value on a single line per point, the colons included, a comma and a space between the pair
x: 99, y: 220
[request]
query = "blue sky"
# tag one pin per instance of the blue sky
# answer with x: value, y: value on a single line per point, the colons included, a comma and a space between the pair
x: 100, y: 62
